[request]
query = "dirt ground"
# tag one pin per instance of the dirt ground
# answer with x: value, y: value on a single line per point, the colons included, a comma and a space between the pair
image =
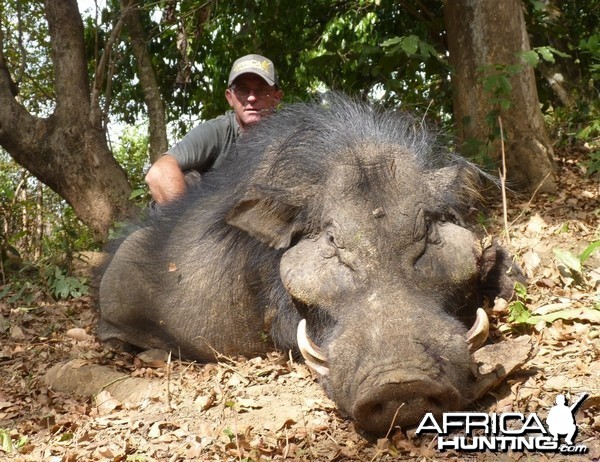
x: 251, y: 409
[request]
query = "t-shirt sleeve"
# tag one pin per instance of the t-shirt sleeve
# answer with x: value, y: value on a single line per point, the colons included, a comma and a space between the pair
x: 199, y: 148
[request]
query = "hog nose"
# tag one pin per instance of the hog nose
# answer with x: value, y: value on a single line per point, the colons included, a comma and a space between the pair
x: 402, y: 403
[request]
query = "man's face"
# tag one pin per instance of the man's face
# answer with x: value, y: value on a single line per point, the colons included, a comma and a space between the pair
x: 251, y: 98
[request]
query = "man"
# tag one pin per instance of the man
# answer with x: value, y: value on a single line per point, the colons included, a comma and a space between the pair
x: 252, y: 92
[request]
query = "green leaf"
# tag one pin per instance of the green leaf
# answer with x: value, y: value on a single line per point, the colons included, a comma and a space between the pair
x: 6, y: 441
x: 520, y: 290
x: 229, y: 433
x: 5, y: 290
x: 568, y: 260
x: 326, y: 59
x: 582, y: 314
x: 546, y: 54
x: 558, y: 52
x: 410, y: 45
x: 518, y: 313
x: 136, y: 193
x: 530, y: 57
x: 587, y: 253
x: 391, y: 42
x: 538, y: 6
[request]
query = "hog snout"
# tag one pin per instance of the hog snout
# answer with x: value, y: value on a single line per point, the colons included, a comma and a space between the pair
x: 398, y: 401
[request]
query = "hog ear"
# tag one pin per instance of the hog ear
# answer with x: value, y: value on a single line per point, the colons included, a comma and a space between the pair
x: 460, y: 179
x: 268, y: 221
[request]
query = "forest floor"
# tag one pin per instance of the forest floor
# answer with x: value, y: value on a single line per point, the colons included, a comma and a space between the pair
x: 270, y: 408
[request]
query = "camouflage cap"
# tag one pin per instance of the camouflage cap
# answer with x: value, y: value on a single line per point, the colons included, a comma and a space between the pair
x: 254, y: 64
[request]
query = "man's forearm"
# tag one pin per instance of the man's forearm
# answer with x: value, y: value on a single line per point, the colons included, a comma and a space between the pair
x: 166, y: 180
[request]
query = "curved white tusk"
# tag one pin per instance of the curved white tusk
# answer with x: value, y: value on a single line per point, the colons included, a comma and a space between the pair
x: 480, y: 330
x: 312, y: 354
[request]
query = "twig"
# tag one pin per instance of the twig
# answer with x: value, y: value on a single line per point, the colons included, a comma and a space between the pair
x: 531, y: 199
x: 99, y: 74
x: 387, y: 435
x: 426, y: 111
x: 309, y: 448
x: 2, y: 271
x: 503, y: 181
x: 169, y: 381
x: 286, y: 450
x: 117, y: 380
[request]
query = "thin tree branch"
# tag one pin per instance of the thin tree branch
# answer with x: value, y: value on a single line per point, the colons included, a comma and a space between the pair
x: 147, y: 76
x: 503, y: 181
x: 96, y: 117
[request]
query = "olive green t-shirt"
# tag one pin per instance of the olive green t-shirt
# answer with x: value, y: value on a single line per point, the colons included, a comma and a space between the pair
x: 207, y: 145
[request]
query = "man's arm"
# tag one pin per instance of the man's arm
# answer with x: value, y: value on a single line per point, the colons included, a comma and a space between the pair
x: 166, y: 180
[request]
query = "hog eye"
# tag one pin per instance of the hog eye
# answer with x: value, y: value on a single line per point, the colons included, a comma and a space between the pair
x: 330, y: 249
x: 331, y: 238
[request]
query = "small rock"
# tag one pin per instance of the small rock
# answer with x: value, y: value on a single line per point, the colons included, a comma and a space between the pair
x: 78, y: 333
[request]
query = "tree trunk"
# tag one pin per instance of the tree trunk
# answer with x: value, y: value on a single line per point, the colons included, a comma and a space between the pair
x: 484, y: 36
x: 66, y: 151
x: 152, y: 96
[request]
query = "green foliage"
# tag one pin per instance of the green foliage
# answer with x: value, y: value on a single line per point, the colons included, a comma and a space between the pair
x: 518, y: 313
x: 132, y: 154
x: 495, y: 80
x: 19, y: 291
x: 39, y: 234
x: 588, y: 251
x: 8, y: 444
x: 35, y: 223
x: 228, y: 431
x: 572, y: 265
x: 537, y: 54
x: 26, y: 49
x: 63, y: 286
x: 590, y: 134
x: 348, y: 46
x: 590, y: 48
x: 567, y: 37
x: 26, y: 282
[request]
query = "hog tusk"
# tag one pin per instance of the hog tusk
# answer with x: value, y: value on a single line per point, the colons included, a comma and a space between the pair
x: 478, y: 334
x: 312, y: 354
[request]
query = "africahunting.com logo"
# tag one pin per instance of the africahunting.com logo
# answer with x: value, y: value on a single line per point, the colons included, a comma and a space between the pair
x: 512, y: 431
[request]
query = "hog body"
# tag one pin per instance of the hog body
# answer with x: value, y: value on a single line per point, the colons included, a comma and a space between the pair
x: 339, y: 214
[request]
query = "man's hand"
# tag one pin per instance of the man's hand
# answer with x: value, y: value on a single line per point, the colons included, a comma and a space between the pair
x: 166, y: 180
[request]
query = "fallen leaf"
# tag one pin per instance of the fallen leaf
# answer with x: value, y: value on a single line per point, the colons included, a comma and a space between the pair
x: 550, y: 308
x: 498, y: 360
x: 205, y: 402
x: 105, y: 403
x: 154, y: 357
x: 531, y: 261
x: 536, y: 225
x: 154, y: 431
x: 582, y: 314
x: 16, y: 333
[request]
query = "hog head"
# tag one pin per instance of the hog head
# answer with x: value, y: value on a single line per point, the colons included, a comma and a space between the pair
x: 382, y: 270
